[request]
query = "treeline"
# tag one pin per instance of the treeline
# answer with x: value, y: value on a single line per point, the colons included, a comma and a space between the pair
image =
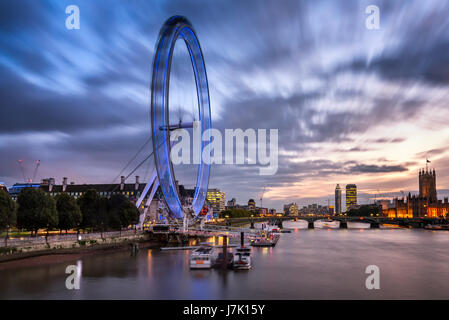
x: 365, y: 211
x: 37, y: 210
x: 235, y: 213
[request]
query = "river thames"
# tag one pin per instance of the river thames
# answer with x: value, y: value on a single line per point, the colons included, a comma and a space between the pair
x: 305, y: 264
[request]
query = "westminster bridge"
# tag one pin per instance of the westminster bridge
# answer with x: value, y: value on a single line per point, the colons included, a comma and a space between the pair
x: 375, y: 221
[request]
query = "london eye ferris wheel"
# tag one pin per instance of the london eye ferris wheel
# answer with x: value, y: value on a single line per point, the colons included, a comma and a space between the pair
x: 175, y: 28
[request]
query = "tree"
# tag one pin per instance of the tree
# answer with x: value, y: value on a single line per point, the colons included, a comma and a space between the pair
x: 27, y: 211
x: 89, y: 203
x: 49, y: 214
x: 36, y: 210
x: 7, y: 213
x: 69, y: 213
x: 101, y: 217
x: 122, y: 212
x: 132, y: 215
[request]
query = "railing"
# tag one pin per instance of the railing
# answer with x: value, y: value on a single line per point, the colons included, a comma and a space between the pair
x: 23, y: 241
x: 230, y: 229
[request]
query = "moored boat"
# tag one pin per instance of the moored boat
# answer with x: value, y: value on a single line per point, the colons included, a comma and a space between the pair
x: 267, y: 240
x: 203, y: 258
x: 242, y: 258
x: 273, y: 229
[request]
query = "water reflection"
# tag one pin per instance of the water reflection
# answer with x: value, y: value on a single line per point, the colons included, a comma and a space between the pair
x: 149, y: 262
x: 308, y: 264
x: 79, y: 268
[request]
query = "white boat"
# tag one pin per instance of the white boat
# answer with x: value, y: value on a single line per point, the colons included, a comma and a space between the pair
x: 268, y: 239
x: 273, y: 229
x: 326, y: 224
x: 358, y: 225
x: 242, y: 258
x: 203, y: 258
x: 298, y: 224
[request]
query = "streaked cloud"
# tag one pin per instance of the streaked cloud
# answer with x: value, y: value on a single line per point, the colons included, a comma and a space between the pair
x: 352, y: 105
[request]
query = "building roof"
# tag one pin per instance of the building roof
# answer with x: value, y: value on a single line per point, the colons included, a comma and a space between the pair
x: 128, y: 187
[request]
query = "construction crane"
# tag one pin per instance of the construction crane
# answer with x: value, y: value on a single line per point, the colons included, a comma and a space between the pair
x: 21, y: 169
x: 29, y: 179
x: 38, y: 163
x: 261, y: 197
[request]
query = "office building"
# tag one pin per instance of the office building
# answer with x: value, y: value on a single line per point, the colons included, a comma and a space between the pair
x: 337, y: 200
x: 351, y: 196
x: 216, y: 199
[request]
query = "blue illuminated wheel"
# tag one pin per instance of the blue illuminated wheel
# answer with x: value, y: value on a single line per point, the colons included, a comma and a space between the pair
x: 174, y: 28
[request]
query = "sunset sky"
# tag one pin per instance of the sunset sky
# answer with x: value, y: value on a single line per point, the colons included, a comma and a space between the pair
x: 352, y: 105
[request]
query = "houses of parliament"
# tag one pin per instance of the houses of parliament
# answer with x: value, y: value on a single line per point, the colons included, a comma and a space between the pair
x: 423, y: 205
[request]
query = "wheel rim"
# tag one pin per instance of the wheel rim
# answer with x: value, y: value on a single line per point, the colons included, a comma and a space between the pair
x: 174, y: 28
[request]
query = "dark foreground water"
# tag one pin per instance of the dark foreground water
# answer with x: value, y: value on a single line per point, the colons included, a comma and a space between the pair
x: 306, y: 264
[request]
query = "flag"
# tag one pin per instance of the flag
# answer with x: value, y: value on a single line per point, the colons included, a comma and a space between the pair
x: 428, y: 161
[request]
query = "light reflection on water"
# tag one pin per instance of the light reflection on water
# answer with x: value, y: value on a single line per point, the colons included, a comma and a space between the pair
x: 305, y: 264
